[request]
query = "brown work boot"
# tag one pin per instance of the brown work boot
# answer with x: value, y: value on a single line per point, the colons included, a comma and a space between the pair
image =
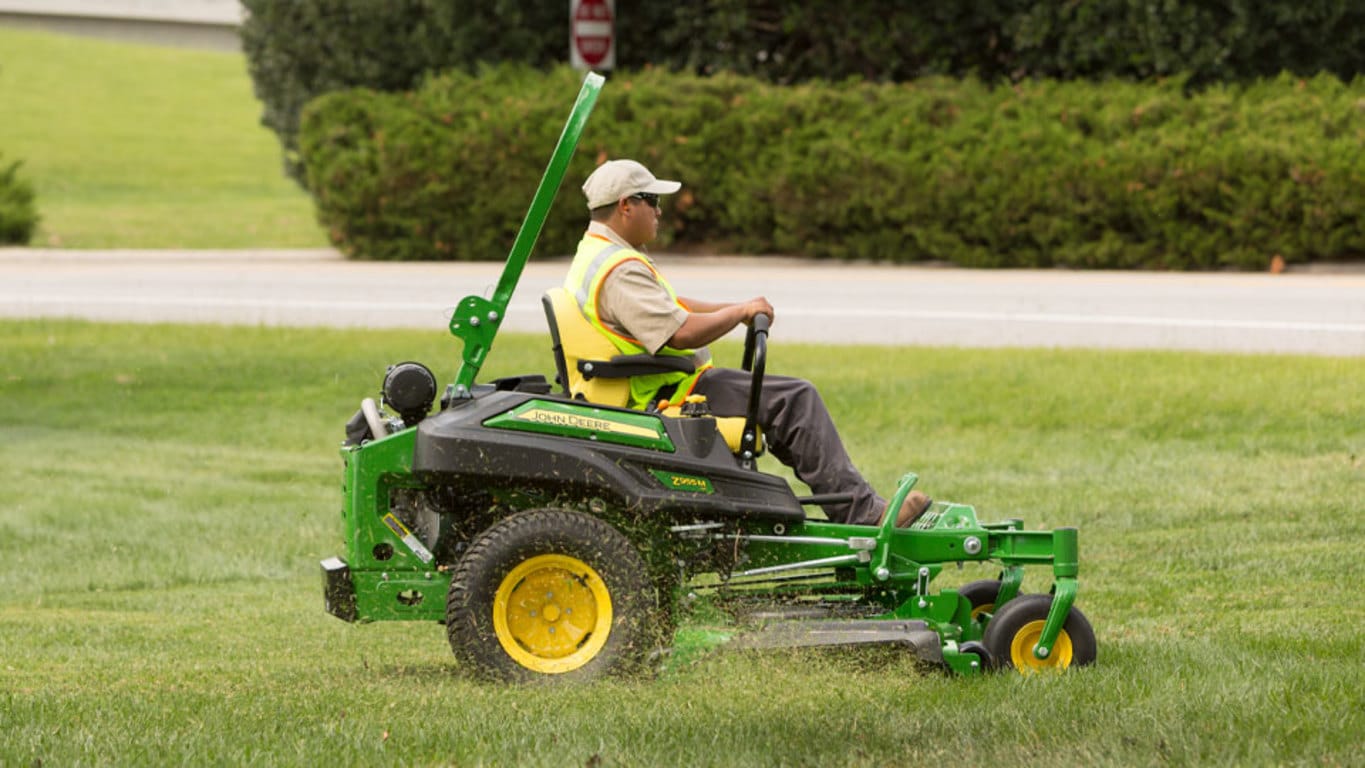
x: 914, y: 506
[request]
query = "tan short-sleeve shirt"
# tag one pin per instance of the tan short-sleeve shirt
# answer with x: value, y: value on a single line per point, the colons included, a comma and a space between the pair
x: 634, y: 304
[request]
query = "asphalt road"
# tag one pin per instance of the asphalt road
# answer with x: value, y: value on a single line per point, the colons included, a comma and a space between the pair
x: 1297, y: 312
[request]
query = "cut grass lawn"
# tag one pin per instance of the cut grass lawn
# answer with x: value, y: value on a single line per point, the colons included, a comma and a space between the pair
x: 170, y: 489
x: 133, y: 146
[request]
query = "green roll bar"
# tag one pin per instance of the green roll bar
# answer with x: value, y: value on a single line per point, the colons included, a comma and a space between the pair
x: 476, y: 319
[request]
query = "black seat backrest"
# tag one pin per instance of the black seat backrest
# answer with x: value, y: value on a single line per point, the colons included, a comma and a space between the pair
x: 561, y: 367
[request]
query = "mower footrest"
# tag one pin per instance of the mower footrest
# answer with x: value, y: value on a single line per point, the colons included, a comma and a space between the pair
x: 913, y: 635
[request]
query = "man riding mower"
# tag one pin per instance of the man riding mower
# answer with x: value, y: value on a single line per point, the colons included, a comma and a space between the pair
x: 553, y: 527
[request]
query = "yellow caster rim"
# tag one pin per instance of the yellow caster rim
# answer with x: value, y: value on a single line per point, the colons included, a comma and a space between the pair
x: 552, y: 613
x: 983, y: 608
x: 1021, y: 649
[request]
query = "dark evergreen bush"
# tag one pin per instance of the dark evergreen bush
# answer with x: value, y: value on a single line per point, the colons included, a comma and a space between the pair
x: 1236, y: 40
x: 1110, y: 174
x: 299, y: 49
x: 18, y: 214
x: 783, y: 41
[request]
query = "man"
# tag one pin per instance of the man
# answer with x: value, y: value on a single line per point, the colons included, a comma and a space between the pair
x: 622, y: 293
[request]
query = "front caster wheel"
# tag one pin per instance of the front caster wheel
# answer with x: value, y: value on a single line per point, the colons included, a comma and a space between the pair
x: 549, y: 593
x: 983, y: 656
x: 980, y: 595
x: 1016, y: 627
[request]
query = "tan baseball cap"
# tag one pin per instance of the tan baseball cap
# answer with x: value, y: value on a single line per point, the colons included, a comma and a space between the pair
x: 616, y: 179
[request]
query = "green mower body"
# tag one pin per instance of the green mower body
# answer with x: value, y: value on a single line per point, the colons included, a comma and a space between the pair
x: 558, y: 537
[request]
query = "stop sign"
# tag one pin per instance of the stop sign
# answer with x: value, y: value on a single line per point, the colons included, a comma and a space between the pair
x: 592, y: 39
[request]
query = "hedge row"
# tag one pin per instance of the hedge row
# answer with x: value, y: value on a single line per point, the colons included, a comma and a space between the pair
x: 299, y: 49
x: 18, y: 214
x: 1113, y: 175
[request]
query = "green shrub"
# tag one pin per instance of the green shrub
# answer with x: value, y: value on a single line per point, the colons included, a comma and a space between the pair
x: 299, y: 49
x: 18, y: 215
x: 1113, y: 175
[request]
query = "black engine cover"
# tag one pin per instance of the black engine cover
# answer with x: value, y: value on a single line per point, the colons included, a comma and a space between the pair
x: 457, y: 448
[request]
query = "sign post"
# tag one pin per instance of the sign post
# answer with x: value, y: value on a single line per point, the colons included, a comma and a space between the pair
x: 592, y: 34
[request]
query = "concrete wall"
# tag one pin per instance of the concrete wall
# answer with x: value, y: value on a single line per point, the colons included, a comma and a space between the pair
x: 209, y: 24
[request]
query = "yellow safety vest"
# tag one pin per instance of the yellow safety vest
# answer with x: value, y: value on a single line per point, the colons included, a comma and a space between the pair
x: 596, y: 258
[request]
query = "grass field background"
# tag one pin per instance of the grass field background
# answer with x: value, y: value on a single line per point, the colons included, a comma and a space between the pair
x: 133, y: 146
x: 170, y: 489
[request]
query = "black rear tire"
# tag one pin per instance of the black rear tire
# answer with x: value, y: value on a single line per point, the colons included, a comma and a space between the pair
x: 510, y: 613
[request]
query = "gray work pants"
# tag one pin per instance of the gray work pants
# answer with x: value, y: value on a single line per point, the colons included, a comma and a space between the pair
x: 800, y: 434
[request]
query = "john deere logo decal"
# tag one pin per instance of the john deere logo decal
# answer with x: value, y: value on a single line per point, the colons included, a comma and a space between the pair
x: 584, y: 422
x: 676, y: 482
x: 577, y: 421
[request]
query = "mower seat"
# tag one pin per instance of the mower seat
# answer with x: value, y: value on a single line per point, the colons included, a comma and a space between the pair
x: 590, y: 367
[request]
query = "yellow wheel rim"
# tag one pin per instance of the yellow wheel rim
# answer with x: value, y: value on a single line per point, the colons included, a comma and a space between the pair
x: 1021, y: 649
x: 552, y: 613
x: 983, y: 608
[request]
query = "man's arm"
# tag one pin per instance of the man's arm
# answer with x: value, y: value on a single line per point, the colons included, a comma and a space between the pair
x: 697, y: 305
x: 708, y: 321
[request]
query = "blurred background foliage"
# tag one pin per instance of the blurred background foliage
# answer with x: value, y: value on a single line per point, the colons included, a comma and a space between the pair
x: 1107, y: 133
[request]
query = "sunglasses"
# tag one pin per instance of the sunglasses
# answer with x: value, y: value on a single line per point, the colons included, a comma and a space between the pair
x: 648, y: 198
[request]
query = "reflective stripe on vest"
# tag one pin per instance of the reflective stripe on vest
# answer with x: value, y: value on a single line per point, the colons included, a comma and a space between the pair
x: 589, y: 274
x: 585, y: 279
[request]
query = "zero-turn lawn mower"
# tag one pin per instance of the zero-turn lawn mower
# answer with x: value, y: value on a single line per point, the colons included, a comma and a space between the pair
x: 554, y: 531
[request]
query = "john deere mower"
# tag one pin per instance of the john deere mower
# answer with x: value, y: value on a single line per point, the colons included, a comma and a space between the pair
x: 555, y: 532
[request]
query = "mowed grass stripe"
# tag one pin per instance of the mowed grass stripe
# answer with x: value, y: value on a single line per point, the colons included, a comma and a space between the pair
x: 170, y: 490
